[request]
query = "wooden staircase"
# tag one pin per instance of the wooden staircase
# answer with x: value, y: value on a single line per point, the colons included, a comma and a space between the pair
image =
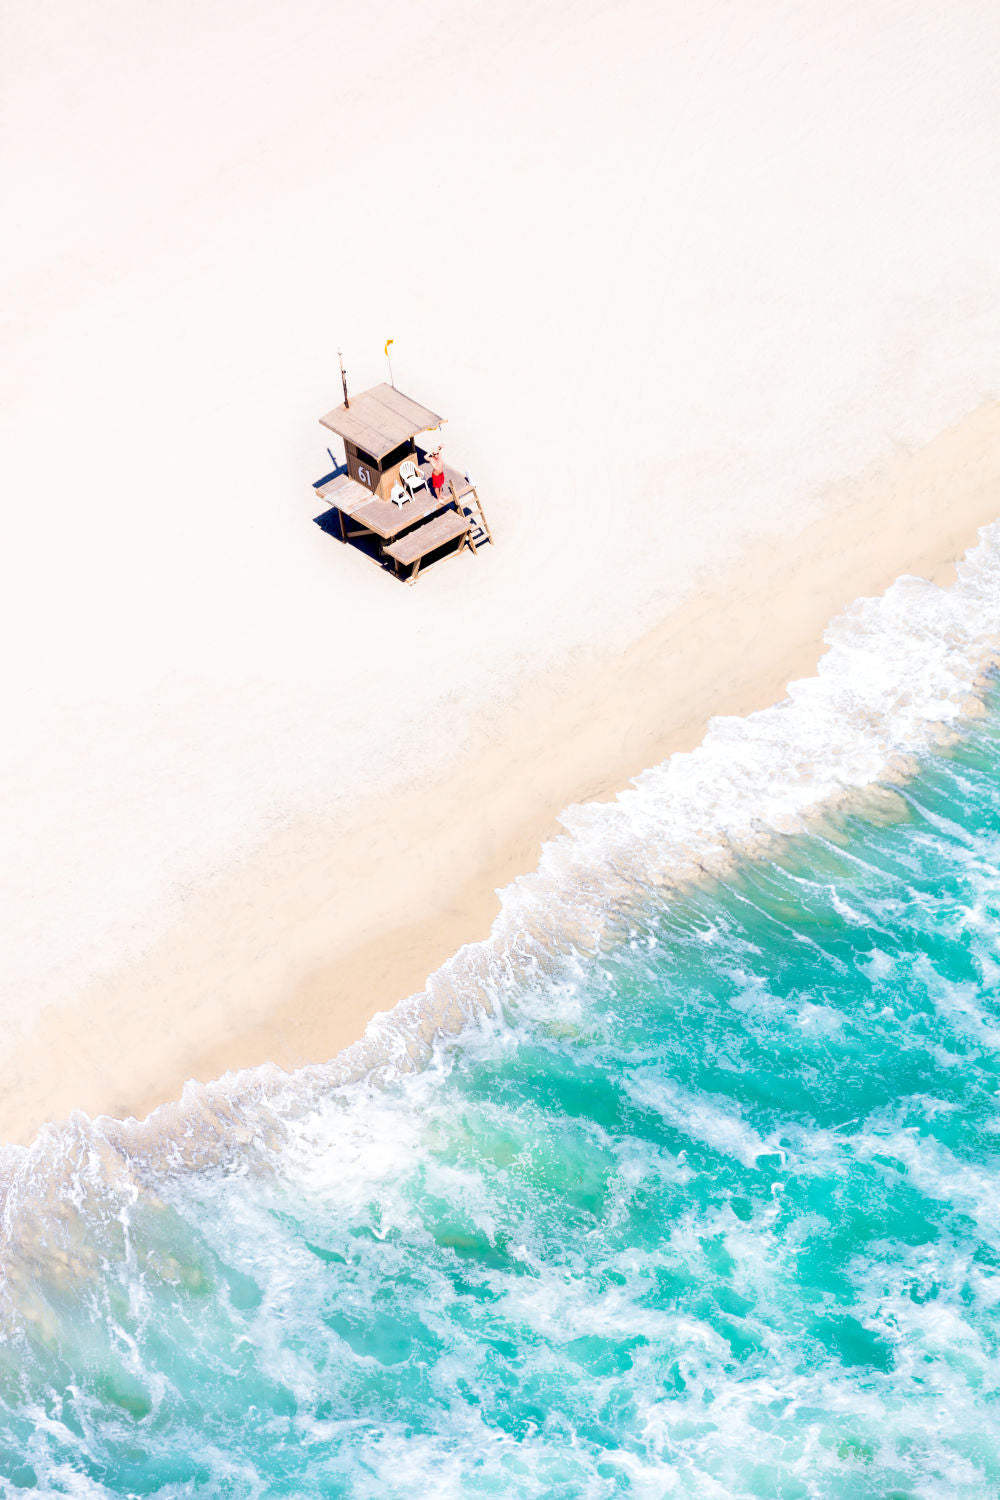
x: 473, y: 508
x: 468, y: 503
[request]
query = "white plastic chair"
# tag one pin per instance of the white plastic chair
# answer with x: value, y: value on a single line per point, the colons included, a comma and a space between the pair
x: 411, y: 477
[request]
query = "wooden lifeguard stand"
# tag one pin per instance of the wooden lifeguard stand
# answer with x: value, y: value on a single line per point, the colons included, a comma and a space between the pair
x: 378, y: 428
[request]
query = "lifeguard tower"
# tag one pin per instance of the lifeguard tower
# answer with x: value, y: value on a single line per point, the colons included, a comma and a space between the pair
x: 378, y: 428
x: 383, y: 492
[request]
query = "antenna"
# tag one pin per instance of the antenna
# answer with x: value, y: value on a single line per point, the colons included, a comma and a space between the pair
x: 343, y: 376
x: 388, y: 356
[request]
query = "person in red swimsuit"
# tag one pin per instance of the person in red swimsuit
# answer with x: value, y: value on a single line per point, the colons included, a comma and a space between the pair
x: 437, y: 473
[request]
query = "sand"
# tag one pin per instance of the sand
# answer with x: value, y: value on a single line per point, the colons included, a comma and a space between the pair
x: 280, y: 960
x: 706, y: 300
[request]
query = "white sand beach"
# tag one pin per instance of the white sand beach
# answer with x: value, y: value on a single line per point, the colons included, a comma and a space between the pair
x: 709, y: 298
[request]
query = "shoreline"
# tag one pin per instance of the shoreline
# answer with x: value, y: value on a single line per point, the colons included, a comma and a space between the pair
x: 286, y: 957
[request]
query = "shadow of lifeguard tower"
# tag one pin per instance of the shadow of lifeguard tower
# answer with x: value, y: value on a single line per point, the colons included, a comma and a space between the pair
x: 384, y: 492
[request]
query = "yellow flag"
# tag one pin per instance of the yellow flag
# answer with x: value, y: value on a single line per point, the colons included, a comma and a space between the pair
x: 387, y: 343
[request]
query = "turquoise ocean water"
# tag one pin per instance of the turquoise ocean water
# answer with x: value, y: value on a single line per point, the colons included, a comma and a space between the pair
x: 674, y: 1188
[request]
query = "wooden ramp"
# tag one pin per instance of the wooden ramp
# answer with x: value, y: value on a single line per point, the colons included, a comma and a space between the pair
x: 412, y: 548
x: 408, y: 534
x: 346, y: 495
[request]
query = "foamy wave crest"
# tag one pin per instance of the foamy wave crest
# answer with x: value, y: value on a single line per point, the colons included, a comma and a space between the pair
x: 900, y: 671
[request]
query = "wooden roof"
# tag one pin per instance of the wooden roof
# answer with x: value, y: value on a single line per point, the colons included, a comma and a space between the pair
x: 379, y: 420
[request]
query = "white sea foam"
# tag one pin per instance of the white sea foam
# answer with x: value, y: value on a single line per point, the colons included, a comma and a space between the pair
x: 899, y: 669
x: 696, y: 1116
